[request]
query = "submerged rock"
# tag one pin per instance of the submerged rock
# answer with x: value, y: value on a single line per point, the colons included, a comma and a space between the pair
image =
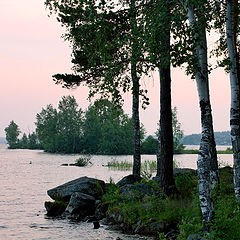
x: 89, y: 186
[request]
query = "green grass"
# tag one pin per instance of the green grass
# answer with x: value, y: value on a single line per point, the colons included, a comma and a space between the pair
x: 147, y: 165
x: 196, y: 151
x: 189, y: 151
x: 121, y: 166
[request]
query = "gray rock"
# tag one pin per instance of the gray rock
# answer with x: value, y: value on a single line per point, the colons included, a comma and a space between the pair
x: 89, y: 186
x: 55, y: 208
x: 115, y: 216
x: 101, y: 210
x: 130, y: 179
x: 81, y: 204
x: 151, y: 228
x: 136, y: 191
x: 195, y: 237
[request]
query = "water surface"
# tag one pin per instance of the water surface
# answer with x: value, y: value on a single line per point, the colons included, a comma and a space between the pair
x: 24, y: 185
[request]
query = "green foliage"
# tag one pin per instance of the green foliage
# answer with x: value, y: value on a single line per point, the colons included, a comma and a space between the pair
x: 161, y: 236
x: 147, y: 166
x: 12, y: 133
x: 83, y: 161
x: 103, y: 129
x: 177, y: 132
x: 183, y: 210
x: 69, y: 125
x: 146, y: 208
x: 196, y: 151
x: 178, y: 147
x: 106, y: 37
x: 24, y: 141
x: 33, y: 142
x: 186, y: 184
x: 46, y: 128
x: 226, y: 222
x: 123, y: 165
x: 190, y: 151
x: 107, y: 130
x: 149, y: 145
x: 60, y: 130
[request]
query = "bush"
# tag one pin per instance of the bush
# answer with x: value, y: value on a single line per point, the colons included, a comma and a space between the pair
x: 83, y: 161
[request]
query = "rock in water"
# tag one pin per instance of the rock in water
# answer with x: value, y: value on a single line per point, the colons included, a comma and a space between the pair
x: 81, y: 204
x: 55, y: 208
x: 96, y: 225
x: 89, y: 186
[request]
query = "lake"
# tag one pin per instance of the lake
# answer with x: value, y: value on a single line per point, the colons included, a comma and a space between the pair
x: 24, y: 186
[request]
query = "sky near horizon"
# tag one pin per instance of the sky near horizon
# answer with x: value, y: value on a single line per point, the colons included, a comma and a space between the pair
x: 32, y: 50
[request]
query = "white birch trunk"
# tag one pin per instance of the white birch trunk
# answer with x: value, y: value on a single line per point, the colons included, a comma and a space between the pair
x: 234, y: 113
x: 207, y: 158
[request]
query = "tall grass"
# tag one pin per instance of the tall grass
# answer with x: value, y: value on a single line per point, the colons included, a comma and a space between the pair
x: 147, y: 165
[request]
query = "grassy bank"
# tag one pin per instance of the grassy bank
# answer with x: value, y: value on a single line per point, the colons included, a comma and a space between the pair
x: 196, y: 151
x: 181, y: 212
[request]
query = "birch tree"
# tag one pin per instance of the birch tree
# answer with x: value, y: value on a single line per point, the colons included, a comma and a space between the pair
x: 232, y: 19
x: 198, y: 17
x: 228, y: 51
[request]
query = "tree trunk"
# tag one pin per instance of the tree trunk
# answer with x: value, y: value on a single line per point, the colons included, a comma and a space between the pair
x: 165, y: 155
x: 207, y: 158
x: 165, y: 151
x: 136, y: 122
x: 135, y: 93
x: 234, y: 112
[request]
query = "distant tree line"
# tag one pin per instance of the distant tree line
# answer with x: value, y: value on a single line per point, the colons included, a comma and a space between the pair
x: 221, y: 138
x: 103, y: 128
x: 29, y: 141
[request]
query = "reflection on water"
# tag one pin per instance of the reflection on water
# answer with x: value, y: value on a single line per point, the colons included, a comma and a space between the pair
x: 24, y: 186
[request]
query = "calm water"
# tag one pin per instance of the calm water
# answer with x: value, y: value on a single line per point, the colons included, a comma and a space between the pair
x: 23, y: 193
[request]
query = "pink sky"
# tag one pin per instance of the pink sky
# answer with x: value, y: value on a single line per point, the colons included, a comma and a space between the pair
x: 31, y: 50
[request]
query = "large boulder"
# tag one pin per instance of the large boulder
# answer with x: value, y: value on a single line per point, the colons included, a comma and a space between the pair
x: 130, y: 179
x: 89, y: 186
x: 81, y: 204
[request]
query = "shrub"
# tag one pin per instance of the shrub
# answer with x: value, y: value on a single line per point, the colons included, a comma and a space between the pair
x: 83, y: 161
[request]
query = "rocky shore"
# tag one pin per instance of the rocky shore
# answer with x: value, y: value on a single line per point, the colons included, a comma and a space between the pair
x: 81, y: 200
